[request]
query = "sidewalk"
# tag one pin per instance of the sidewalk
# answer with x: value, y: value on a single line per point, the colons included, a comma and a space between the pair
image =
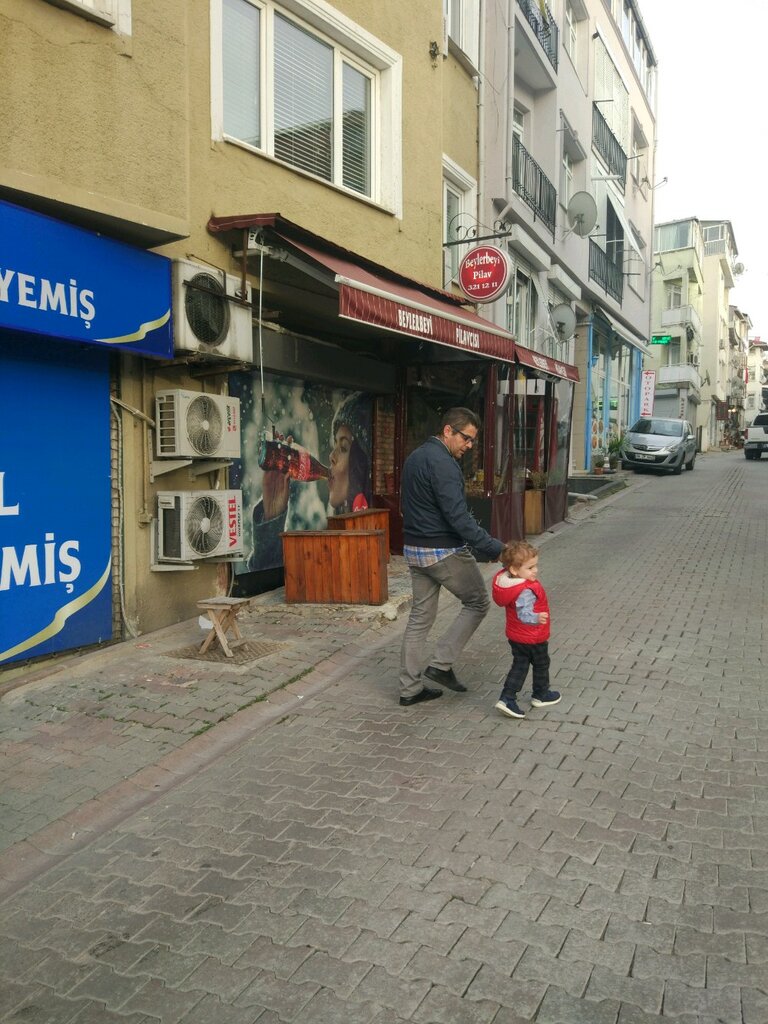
x: 87, y: 740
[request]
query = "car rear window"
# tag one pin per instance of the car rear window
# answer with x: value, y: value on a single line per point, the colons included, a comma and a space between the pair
x: 761, y: 420
x: 667, y: 428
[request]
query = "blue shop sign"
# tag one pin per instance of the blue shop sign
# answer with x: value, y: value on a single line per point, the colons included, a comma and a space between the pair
x: 55, y: 499
x: 64, y: 282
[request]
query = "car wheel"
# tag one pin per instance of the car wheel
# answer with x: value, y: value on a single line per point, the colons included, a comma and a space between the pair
x: 679, y: 467
x: 625, y: 465
x: 689, y: 467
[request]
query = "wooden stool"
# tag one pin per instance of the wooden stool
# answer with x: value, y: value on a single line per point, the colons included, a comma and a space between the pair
x: 223, y: 612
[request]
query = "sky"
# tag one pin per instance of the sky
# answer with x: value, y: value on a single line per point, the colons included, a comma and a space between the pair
x: 710, y: 128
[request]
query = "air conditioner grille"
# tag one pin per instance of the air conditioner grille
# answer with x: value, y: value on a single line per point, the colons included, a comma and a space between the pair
x: 207, y: 309
x: 204, y: 425
x: 204, y: 525
x: 171, y: 530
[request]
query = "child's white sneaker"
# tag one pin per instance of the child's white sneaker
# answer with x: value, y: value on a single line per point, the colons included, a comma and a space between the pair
x: 510, y: 708
x: 546, y: 699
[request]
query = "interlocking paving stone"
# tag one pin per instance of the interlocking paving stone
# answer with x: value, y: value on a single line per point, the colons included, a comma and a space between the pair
x: 604, y: 863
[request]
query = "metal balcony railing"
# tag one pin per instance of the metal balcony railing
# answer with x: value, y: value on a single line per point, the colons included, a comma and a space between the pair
x: 545, y: 28
x: 609, y: 147
x: 533, y: 186
x: 605, y: 272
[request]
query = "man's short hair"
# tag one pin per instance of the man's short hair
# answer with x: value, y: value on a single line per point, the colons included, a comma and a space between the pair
x: 458, y: 417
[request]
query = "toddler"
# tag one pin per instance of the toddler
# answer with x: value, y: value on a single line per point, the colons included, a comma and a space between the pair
x: 516, y: 588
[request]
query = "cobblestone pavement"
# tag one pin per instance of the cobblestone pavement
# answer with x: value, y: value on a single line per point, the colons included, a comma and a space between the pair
x: 605, y: 860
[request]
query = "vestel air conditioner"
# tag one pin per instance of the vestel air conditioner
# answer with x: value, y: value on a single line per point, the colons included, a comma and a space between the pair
x: 195, y: 424
x: 195, y: 525
x: 207, y: 315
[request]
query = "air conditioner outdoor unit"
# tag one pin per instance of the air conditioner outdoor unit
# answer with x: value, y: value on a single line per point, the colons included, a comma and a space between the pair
x: 195, y: 525
x: 694, y: 360
x: 207, y: 315
x: 195, y: 424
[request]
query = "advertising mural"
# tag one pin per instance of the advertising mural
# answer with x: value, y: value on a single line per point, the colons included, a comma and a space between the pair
x: 306, y: 453
x: 55, y: 502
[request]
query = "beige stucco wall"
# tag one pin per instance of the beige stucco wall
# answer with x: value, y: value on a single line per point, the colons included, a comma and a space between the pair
x: 94, y: 120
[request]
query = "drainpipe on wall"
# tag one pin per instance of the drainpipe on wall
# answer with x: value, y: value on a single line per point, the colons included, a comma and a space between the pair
x: 510, y: 98
x: 588, y: 419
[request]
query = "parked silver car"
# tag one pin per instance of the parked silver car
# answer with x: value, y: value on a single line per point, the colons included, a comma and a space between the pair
x: 658, y: 443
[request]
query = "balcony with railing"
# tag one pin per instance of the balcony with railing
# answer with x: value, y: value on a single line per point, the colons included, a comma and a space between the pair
x: 681, y: 315
x: 609, y: 147
x: 533, y: 186
x: 679, y: 374
x: 605, y: 272
x: 544, y: 26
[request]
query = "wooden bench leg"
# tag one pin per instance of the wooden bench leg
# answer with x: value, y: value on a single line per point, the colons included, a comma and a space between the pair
x: 219, y: 630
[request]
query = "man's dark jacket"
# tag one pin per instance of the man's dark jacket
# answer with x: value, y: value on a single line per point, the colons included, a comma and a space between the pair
x: 435, y: 513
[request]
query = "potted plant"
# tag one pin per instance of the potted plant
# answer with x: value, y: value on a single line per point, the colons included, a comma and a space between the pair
x: 598, y: 460
x: 615, y: 445
x: 533, y: 501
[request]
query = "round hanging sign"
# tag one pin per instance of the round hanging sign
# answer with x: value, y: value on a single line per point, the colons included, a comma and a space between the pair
x: 484, y: 273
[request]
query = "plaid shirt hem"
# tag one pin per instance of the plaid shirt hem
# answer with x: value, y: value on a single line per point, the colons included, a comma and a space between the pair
x: 424, y: 557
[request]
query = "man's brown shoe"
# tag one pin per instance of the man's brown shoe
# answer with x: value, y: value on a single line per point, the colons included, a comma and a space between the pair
x: 426, y: 694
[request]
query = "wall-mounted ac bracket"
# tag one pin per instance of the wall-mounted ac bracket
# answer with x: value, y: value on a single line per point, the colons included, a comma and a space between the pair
x: 157, y: 467
x: 200, y: 466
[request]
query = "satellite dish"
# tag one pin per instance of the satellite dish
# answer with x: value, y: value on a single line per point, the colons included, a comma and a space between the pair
x: 564, y: 320
x: 738, y: 269
x: 582, y: 213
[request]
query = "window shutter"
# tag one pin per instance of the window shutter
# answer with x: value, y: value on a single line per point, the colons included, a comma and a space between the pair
x: 355, y: 129
x: 242, y: 94
x: 303, y: 99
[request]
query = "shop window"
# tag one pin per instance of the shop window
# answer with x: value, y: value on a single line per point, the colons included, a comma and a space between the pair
x: 432, y: 388
x: 291, y: 89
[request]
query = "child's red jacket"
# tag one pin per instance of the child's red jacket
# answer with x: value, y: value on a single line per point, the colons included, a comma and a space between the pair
x: 522, y: 632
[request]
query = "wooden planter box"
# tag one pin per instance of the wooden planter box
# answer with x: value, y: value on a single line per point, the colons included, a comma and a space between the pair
x: 365, y: 519
x: 533, y: 512
x: 335, y: 566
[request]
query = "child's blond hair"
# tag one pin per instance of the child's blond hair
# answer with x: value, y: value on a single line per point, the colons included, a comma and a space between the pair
x: 516, y: 552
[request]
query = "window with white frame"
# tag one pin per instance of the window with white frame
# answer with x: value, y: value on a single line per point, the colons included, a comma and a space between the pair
x: 569, y: 31
x: 673, y: 294
x: 571, y: 157
x: 518, y: 122
x: 566, y: 178
x: 462, y: 21
x: 459, y: 208
x: 114, y: 14
x: 311, y: 92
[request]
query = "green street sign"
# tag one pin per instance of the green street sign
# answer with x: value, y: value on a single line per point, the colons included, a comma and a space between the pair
x: 661, y: 339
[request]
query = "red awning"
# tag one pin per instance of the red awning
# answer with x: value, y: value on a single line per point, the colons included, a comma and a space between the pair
x: 371, y: 295
x: 546, y: 364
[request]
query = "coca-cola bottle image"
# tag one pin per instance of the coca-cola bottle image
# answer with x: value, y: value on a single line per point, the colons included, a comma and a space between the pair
x: 275, y: 454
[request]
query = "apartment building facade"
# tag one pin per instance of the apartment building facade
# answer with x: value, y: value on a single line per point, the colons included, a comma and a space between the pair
x: 569, y: 133
x: 677, y: 338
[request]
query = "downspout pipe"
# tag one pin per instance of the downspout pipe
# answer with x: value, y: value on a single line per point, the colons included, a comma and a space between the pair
x: 588, y: 418
x: 510, y: 121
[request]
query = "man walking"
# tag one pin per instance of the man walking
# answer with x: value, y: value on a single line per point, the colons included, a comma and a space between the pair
x: 438, y: 529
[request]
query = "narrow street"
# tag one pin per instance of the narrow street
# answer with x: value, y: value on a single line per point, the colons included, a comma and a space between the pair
x: 602, y: 862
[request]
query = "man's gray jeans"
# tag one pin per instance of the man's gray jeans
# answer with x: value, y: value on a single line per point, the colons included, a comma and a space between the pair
x: 460, y: 575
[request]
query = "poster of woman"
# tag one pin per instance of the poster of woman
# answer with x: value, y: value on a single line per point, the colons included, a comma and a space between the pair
x: 306, y: 453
